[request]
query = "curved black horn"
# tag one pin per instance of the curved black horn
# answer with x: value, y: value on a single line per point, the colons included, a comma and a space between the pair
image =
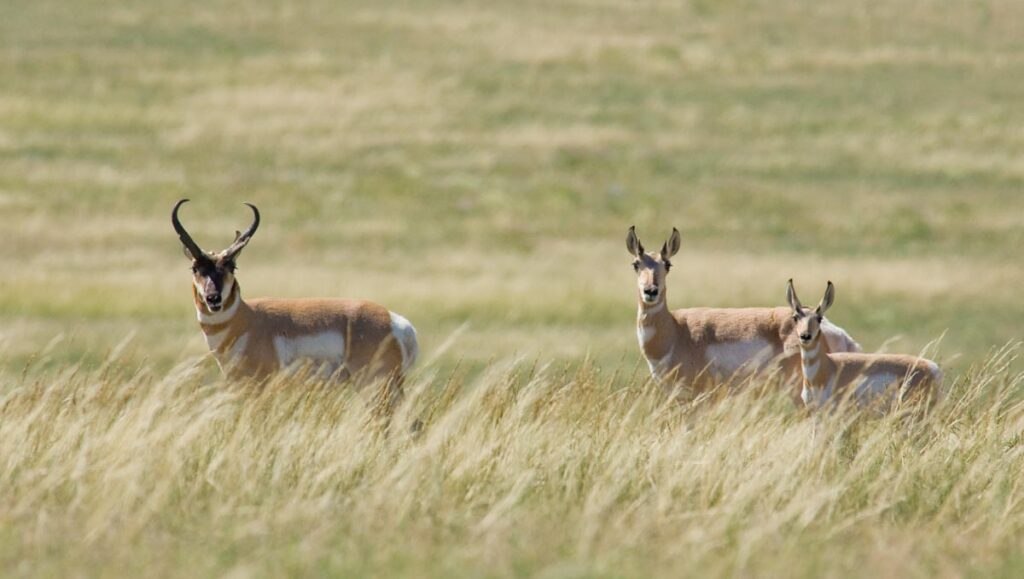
x: 190, y: 245
x: 243, y: 239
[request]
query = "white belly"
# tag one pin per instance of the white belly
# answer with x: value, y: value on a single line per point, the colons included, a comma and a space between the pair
x: 326, y: 350
x: 727, y: 358
x: 872, y: 388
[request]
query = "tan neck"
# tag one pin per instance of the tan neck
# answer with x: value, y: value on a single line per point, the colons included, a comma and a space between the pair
x: 818, y: 367
x: 655, y: 328
x: 233, y: 311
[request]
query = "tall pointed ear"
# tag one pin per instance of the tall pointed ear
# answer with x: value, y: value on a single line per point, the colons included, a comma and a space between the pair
x: 826, y: 301
x: 633, y: 242
x: 671, y: 246
x: 794, y: 302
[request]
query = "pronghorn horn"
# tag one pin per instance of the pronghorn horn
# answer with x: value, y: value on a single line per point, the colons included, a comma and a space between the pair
x: 190, y: 245
x: 794, y: 302
x: 241, y: 240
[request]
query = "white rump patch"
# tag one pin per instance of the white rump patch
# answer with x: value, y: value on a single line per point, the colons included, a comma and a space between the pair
x: 325, y: 347
x: 405, y: 335
x: 727, y: 358
x: 837, y: 338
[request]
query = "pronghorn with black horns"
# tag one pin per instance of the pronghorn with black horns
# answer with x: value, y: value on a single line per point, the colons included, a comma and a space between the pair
x: 695, y: 346
x: 877, y: 380
x: 338, y: 338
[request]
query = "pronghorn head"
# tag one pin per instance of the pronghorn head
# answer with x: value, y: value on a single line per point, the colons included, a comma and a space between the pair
x: 213, y: 274
x: 808, y: 321
x: 651, y: 268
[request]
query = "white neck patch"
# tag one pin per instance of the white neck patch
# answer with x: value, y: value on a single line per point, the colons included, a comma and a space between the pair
x: 811, y: 369
x: 645, y: 333
x: 214, y: 318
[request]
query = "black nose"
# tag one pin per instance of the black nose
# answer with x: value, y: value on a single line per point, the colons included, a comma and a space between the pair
x: 213, y: 298
x: 650, y: 291
x: 805, y: 337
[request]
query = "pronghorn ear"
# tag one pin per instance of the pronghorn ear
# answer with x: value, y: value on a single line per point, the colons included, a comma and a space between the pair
x: 633, y: 242
x: 794, y: 302
x: 826, y: 301
x: 671, y: 246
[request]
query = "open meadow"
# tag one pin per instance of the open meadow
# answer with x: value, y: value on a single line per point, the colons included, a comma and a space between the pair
x: 475, y: 166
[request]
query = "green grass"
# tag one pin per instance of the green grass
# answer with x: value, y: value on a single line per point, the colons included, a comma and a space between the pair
x: 475, y: 166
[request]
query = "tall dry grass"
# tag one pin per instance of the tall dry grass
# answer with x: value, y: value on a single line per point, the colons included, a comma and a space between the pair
x: 522, y: 470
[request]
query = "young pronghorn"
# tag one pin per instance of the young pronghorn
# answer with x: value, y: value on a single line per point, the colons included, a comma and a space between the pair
x: 696, y: 345
x: 337, y: 338
x: 875, y: 379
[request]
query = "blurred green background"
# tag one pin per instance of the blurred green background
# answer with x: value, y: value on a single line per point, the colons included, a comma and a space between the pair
x: 477, y: 164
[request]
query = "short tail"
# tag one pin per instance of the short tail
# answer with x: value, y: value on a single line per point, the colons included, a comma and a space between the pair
x: 937, y: 375
x: 405, y: 335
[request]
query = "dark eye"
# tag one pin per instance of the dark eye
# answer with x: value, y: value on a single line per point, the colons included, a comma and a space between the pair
x: 796, y: 317
x: 636, y: 266
x: 668, y: 265
x: 820, y: 318
x: 195, y: 269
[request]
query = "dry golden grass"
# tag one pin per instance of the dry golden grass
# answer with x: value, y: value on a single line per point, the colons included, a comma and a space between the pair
x: 524, y: 470
x: 475, y: 167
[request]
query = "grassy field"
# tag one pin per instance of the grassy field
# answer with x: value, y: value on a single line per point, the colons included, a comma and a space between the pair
x: 475, y: 167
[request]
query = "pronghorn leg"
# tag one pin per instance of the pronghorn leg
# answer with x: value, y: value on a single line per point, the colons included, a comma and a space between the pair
x: 389, y: 396
x: 396, y: 395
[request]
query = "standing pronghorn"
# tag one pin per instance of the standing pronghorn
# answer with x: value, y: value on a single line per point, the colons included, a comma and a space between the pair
x: 338, y: 338
x: 876, y: 379
x: 696, y: 345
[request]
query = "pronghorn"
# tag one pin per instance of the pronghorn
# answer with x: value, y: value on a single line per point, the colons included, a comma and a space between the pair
x: 875, y: 379
x: 693, y: 346
x: 337, y: 338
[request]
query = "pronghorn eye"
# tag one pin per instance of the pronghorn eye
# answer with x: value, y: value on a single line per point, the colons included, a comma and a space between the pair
x: 796, y: 317
x: 668, y: 265
x: 636, y: 266
x: 820, y: 317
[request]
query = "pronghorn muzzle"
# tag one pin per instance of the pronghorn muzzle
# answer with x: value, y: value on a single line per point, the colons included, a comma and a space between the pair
x: 213, y: 301
x: 651, y: 293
